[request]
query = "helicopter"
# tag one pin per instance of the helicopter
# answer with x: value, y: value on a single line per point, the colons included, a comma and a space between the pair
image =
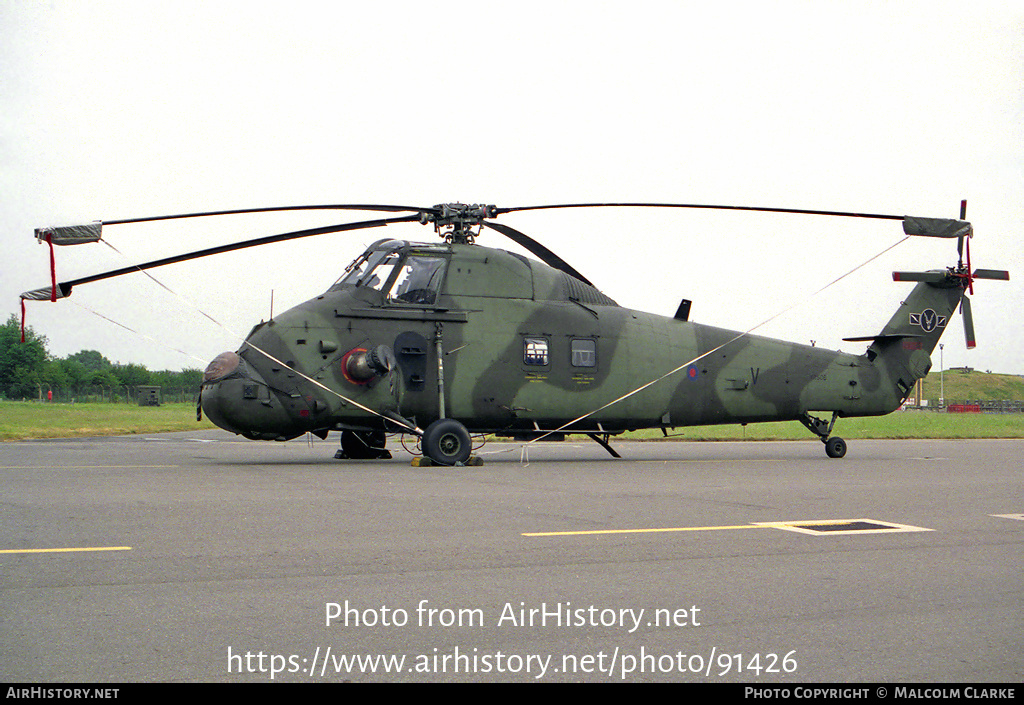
x: 449, y: 339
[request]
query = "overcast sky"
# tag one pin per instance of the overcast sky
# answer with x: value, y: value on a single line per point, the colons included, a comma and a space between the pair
x: 112, y: 110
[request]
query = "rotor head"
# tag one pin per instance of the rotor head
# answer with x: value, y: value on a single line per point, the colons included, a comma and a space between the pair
x: 458, y: 223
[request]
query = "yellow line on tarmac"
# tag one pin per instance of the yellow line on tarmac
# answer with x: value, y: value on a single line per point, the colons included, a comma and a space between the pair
x: 82, y: 467
x: 646, y: 531
x: 66, y: 550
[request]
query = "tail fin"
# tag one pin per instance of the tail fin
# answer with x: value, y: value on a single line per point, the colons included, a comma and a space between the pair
x: 924, y: 314
x: 911, y: 335
x: 903, y: 348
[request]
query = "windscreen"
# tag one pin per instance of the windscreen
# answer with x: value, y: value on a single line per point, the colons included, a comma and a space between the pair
x: 410, y: 278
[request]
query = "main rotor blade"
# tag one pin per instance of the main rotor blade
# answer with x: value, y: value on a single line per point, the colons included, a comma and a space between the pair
x: 938, y: 227
x: 544, y: 254
x: 65, y: 287
x: 701, y: 206
x: 273, y: 209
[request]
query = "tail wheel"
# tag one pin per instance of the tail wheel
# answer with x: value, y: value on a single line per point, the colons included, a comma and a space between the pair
x: 835, y: 447
x: 447, y: 442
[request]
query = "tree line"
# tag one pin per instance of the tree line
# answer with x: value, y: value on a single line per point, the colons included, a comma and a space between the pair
x: 29, y: 371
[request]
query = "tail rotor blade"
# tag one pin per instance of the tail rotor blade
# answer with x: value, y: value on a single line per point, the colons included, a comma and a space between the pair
x: 960, y: 240
x: 965, y: 310
x: 932, y: 277
x: 998, y: 274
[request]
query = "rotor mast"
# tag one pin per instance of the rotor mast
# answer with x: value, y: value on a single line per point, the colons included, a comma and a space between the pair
x: 458, y: 223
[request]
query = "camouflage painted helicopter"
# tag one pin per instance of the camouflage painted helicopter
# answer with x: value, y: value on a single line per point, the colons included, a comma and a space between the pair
x: 449, y: 339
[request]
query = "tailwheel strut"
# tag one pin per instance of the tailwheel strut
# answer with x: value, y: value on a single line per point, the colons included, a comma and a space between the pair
x: 835, y: 447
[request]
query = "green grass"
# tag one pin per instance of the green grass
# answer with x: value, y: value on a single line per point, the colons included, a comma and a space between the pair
x: 901, y: 424
x: 960, y: 387
x: 21, y: 420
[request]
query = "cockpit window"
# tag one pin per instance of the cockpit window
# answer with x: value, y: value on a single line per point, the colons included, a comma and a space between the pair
x: 373, y: 269
x: 353, y: 272
x: 419, y: 280
x: 411, y: 279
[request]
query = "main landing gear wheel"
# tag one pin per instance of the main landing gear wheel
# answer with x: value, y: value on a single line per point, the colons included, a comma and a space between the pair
x: 446, y: 442
x: 835, y: 447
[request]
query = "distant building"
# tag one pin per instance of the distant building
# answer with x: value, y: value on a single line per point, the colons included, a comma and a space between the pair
x: 148, y: 396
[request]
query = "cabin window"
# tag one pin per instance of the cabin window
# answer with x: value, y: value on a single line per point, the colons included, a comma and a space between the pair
x: 535, y: 351
x: 584, y: 352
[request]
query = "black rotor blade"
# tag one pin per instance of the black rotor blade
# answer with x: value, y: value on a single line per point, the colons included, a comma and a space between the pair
x: 544, y: 254
x: 701, y: 206
x: 273, y: 209
x: 65, y: 287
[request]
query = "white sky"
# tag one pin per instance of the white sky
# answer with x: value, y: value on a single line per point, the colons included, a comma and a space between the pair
x: 112, y: 110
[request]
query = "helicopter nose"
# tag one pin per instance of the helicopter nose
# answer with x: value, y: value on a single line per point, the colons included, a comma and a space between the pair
x: 236, y: 398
